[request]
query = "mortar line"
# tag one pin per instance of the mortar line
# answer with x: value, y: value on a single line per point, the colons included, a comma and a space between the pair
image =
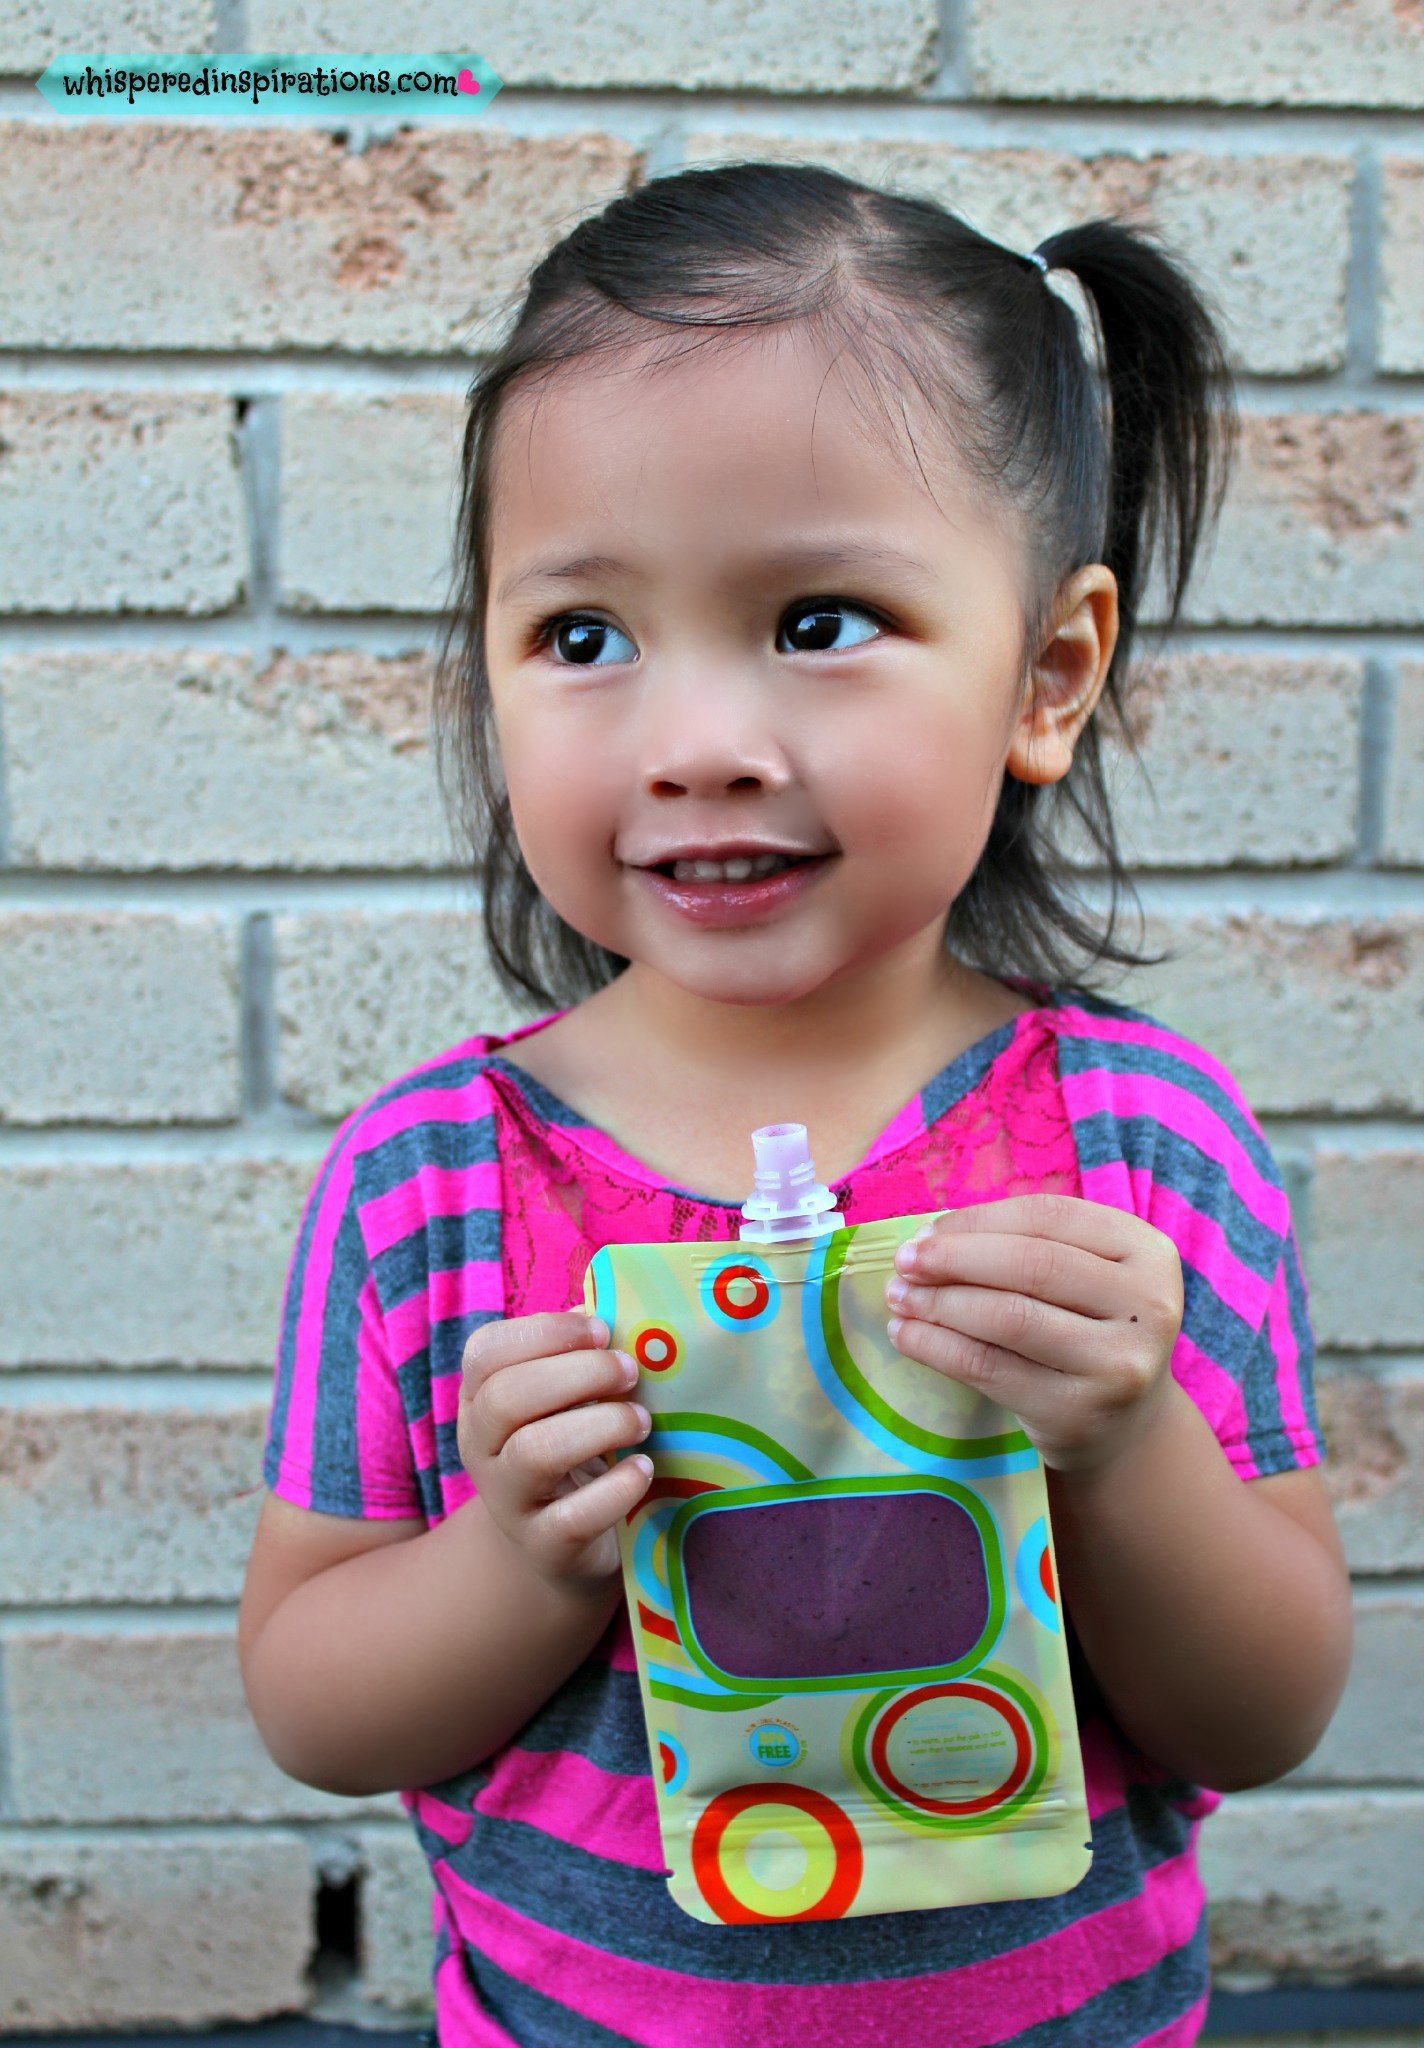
x: 1376, y: 732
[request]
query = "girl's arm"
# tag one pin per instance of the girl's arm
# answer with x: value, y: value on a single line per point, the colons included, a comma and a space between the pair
x: 1215, y: 1614
x: 406, y: 1663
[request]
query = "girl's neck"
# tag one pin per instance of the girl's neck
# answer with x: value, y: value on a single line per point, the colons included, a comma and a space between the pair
x: 912, y: 1019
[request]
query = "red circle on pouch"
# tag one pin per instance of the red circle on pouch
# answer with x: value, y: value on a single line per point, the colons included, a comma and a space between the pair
x: 963, y: 1689
x: 707, y: 1845
x: 761, y: 1293
x: 655, y: 1337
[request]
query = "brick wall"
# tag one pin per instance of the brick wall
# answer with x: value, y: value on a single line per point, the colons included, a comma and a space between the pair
x: 232, y: 361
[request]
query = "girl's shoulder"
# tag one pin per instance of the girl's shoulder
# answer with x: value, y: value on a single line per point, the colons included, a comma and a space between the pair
x: 1164, y: 1125
x: 439, y: 1112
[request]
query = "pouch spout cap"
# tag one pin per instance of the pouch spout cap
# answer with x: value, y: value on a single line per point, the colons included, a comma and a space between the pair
x: 787, y: 1201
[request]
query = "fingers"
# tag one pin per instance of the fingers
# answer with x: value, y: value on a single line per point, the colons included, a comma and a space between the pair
x: 1042, y: 1268
x: 1095, y: 1226
x: 976, y: 1318
x: 500, y: 1343
x: 519, y: 1394
x: 538, y: 1457
x: 578, y: 1518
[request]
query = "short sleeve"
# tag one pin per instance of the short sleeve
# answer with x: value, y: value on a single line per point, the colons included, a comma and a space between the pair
x: 1163, y: 1129
x: 337, y: 1436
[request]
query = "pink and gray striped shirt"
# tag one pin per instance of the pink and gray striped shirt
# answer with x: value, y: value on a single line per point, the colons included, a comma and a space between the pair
x: 464, y: 1190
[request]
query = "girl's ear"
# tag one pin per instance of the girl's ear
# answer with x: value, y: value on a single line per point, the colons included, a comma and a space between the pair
x: 1067, y: 677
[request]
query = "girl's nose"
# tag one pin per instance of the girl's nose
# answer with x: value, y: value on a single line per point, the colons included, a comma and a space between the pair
x: 711, y: 732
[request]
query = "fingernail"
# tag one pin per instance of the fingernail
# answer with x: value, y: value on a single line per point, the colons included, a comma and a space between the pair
x: 599, y: 1330
x: 645, y: 1421
x: 896, y: 1290
x: 907, y: 1257
x: 629, y: 1365
x: 894, y: 1327
x: 925, y: 1230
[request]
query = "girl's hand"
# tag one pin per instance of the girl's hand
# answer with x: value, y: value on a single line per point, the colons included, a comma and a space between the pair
x: 1064, y: 1311
x: 542, y: 1402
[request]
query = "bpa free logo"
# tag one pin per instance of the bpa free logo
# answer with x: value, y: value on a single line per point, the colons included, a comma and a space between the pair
x: 775, y: 1744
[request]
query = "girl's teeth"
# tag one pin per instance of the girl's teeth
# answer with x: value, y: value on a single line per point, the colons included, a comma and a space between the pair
x: 739, y: 870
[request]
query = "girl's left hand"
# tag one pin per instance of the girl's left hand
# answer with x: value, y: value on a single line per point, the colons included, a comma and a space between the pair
x: 1064, y: 1311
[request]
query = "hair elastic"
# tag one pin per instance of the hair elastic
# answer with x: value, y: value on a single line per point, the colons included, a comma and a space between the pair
x: 1034, y: 257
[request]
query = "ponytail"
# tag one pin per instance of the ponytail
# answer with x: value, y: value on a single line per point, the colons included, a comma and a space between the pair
x: 1172, y: 428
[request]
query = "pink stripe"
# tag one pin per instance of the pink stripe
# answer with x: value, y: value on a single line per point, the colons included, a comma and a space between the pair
x: 298, y: 1435
x: 1161, y: 1038
x: 460, y: 2020
x: 1211, y: 1386
x: 452, y: 1823
x: 461, y: 1103
x: 970, y: 2007
x: 1202, y: 1244
x: 383, y: 1451
x: 1175, y: 1107
x: 564, y: 1794
x: 429, y: 1191
x: 422, y: 1441
x: 455, y: 1489
x: 1180, y: 2033
x: 1287, y: 1356
x: 475, y: 1287
x: 445, y: 1395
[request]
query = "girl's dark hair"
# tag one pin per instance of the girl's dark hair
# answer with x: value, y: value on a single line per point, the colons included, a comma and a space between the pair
x: 1122, y: 462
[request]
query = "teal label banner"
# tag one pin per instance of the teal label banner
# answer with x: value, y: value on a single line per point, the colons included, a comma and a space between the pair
x: 325, y: 86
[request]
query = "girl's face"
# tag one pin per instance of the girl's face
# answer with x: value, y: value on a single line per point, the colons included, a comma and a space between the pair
x: 724, y: 605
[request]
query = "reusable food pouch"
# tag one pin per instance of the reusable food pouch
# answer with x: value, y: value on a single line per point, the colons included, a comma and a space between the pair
x: 840, y: 1581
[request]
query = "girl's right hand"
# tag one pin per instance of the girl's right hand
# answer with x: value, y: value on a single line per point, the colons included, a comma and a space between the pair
x: 541, y: 1405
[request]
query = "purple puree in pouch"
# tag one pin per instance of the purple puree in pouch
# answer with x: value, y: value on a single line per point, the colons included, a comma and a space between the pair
x: 840, y: 1583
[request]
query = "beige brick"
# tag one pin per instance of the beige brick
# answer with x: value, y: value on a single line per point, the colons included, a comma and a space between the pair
x: 1377, y: 1732
x: 34, y: 32
x: 192, y: 236
x: 1281, y: 52
x: 1401, y: 313
x: 84, y: 1706
x: 363, y: 996
x: 118, y: 1017
x: 370, y: 492
x: 1316, y: 1884
x: 1373, y: 1422
x: 1268, y: 234
x: 130, y: 1929
x: 1321, y: 525
x: 1367, y: 1223
x: 183, y: 1261
x: 1403, y: 840
x: 1309, y: 1014
x: 1244, y: 759
x: 321, y: 761
x: 785, y: 46
x: 398, y: 1945
x: 118, y: 501
x: 117, y: 1500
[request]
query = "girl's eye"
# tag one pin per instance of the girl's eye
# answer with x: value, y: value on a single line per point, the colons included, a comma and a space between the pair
x: 580, y: 638
x: 818, y: 622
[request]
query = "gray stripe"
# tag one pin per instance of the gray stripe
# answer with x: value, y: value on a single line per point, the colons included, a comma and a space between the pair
x: 629, y: 1911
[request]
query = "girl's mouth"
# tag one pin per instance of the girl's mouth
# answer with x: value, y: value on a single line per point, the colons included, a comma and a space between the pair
x: 716, y: 903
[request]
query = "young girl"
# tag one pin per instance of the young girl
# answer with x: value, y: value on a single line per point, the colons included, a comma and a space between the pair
x: 800, y: 546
